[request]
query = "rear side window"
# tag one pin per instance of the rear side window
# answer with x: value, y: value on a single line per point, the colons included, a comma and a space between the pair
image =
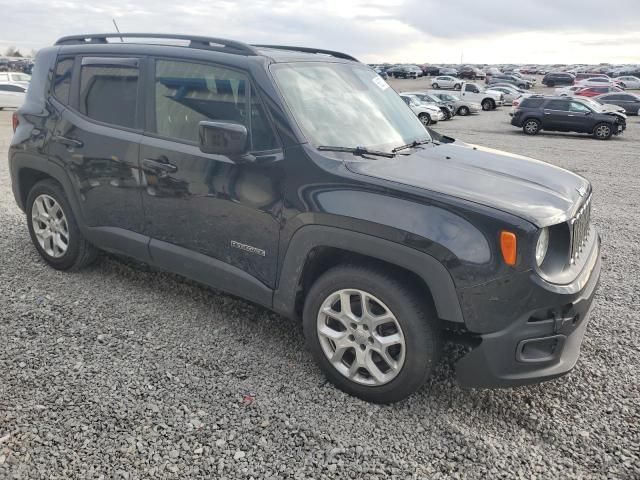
x: 557, y: 105
x: 531, y: 102
x: 188, y: 93
x: 108, y: 93
x: 62, y: 79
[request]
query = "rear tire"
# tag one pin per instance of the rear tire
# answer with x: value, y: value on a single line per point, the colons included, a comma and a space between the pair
x: 531, y: 126
x: 463, y: 111
x: 488, y: 104
x: 602, y: 131
x: 54, y: 230
x: 345, y: 342
x: 435, y: 85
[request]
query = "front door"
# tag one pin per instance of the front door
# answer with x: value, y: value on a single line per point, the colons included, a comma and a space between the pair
x: 204, y: 204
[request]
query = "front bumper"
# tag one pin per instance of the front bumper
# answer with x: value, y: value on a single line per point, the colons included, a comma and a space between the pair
x: 544, y: 340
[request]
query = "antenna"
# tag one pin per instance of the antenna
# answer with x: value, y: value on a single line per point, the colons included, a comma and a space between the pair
x: 117, y: 29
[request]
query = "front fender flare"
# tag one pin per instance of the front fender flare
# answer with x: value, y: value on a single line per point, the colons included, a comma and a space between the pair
x: 305, y: 239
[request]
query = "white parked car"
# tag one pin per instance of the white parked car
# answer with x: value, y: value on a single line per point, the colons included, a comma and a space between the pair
x: 510, y: 94
x: 427, y: 113
x: 15, y: 78
x: 629, y: 81
x: 487, y: 98
x: 463, y: 107
x: 11, y: 95
x: 597, y: 82
x: 445, y: 81
x: 567, y: 91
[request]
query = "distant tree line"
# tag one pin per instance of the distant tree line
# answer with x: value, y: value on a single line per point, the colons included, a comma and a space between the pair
x: 13, y: 52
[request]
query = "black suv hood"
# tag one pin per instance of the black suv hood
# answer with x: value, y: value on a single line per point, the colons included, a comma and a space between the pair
x: 536, y: 191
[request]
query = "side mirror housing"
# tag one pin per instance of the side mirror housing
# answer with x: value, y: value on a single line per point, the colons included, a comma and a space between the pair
x: 223, y: 138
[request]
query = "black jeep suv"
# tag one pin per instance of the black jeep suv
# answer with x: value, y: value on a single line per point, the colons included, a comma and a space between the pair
x: 566, y: 114
x: 298, y: 179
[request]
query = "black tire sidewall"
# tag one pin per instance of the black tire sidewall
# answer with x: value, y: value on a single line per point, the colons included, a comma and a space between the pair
x: 422, y: 115
x: 421, y: 334
x: 51, y: 188
x: 464, y: 111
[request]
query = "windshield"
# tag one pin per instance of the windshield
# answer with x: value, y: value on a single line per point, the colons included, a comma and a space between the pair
x: 346, y: 105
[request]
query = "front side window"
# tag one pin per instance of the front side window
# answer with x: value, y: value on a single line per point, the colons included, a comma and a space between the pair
x: 189, y: 93
x: 108, y: 93
x: 472, y: 89
x: 347, y: 105
x: 579, y: 107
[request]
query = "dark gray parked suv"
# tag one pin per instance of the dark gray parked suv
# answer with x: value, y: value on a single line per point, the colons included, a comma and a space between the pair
x: 298, y: 179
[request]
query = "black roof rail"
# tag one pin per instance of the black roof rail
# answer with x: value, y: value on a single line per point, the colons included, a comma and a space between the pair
x: 310, y: 50
x: 207, y: 43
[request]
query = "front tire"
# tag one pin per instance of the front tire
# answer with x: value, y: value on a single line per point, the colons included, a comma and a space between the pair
x: 456, y: 86
x: 435, y: 85
x: 54, y: 230
x: 425, y: 119
x: 602, y: 131
x: 463, y: 111
x: 373, y: 336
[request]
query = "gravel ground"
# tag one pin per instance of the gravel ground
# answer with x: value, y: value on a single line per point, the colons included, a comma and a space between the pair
x: 120, y: 371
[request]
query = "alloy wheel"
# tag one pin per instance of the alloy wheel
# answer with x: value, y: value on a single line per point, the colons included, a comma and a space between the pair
x: 50, y: 226
x: 531, y: 127
x: 603, y: 131
x: 361, y: 337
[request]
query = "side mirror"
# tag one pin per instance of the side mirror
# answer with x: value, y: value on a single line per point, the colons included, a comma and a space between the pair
x: 223, y: 138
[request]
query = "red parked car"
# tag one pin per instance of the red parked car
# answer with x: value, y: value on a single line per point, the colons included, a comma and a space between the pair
x: 594, y: 91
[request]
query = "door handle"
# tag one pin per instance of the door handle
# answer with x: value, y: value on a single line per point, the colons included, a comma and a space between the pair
x: 161, y: 164
x: 69, y: 142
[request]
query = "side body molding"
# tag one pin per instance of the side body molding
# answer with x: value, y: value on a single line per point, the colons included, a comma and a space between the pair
x: 309, y: 237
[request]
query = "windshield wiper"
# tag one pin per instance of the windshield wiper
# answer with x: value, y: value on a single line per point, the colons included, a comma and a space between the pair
x: 356, y: 151
x: 413, y: 144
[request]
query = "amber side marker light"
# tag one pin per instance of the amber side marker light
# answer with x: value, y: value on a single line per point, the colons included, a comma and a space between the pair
x: 509, y: 247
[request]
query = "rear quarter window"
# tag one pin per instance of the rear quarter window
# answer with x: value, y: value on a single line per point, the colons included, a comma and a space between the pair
x: 61, y: 84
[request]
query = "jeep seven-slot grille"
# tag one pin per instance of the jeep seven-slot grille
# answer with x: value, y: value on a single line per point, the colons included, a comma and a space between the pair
x: 580, y: 229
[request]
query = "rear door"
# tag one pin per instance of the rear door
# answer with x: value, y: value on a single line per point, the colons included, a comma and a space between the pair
x: 201, y: 208
x: 98, y: 137
x: 556, y: 115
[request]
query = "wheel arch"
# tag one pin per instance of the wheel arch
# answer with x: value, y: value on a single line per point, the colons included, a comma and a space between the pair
x: 314, y: 249
x: 26, y: 171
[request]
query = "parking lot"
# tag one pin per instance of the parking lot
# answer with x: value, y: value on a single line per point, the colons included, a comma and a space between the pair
x: 121, y: 371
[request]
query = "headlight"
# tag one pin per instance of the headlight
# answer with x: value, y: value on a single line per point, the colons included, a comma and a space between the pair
x: 542, y: 246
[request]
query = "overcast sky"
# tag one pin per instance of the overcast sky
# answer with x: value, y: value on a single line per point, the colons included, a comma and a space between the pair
x: 433, y: 31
